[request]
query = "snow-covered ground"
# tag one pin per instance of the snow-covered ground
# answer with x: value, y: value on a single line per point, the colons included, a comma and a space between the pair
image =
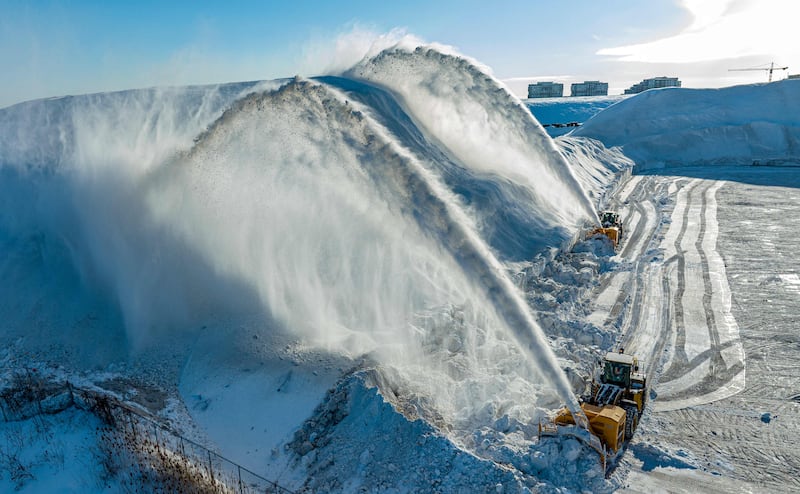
x: 376, y: 280
x: 714, y: 408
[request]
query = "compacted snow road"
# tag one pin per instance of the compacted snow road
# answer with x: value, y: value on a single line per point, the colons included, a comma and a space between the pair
x: 708, y: 295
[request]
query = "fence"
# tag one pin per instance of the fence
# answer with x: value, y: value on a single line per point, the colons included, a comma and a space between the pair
x: 135, y: 441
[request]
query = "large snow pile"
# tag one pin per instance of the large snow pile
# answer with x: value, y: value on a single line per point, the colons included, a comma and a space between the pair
x: 223, y: 241
x: 595, y: 166
x: 685, y: 126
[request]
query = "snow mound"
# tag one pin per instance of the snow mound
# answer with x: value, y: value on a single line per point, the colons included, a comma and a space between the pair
x: 693, y: 126
x: 358, y: 440
x: 297, y: 205
x: 127, y: 129
x: 596, y: 167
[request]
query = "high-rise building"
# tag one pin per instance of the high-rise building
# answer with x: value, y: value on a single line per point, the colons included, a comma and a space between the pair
x: 654, y: 83
x: 589, y: 88
x: 546, y: 90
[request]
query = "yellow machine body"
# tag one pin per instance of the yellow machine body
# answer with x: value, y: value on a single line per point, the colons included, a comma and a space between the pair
x: 611, y: 232
x: 610, y: 226
x: 606, y: 422
x: 616, y: 402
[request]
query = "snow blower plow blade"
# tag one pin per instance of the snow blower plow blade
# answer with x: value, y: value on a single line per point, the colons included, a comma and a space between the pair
x: 569, y: 429
x: 611, y: 227
x: 611, y: 233
x: 606, y: 422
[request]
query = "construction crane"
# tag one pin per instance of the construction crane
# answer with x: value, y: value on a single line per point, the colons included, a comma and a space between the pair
x: 769, y: 69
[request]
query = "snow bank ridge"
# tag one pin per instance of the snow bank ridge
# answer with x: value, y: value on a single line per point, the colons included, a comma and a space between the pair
x: 362, y: 158
x: 695, y: 126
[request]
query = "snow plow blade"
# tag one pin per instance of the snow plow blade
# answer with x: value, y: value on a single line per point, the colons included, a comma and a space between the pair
x: 606, y: 422
x: 579, y: 433
x: 612, y: 233
x: 610, y: 226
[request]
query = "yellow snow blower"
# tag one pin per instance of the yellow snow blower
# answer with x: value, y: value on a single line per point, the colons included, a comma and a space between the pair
x: 610, y: 226
x: 613, y: 408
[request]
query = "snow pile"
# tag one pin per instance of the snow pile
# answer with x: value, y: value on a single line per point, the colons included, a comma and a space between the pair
x: 357, y: 441
x: 693, y: 126
x: 78, y: 257
x: 596, y: 167
x: 130, y: 130
x: 320, y: 260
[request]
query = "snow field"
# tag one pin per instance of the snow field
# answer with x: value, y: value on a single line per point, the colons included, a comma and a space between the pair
x: 52, y: 453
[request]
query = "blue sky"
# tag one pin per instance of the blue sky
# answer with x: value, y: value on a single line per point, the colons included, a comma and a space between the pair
x: 52, y: 48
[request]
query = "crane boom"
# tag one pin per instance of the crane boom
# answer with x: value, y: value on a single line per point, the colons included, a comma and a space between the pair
x: 769, y: 69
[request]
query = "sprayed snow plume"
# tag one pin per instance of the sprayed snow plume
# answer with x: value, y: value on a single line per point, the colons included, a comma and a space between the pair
x: 368, y: 219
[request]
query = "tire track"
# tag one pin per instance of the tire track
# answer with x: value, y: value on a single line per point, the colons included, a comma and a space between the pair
x: 645, y: 192
x: 679, y: 359
x: 736, y: 443
x: 719, y: 375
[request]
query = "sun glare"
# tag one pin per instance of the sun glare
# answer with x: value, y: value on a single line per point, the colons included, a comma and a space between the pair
x: 723, y: 29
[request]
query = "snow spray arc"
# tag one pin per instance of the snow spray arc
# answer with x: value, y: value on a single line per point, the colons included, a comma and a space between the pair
x: 357, y: 234
x: 296, y: 202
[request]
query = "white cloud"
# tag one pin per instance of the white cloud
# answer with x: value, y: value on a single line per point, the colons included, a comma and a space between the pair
x: 724, y: 29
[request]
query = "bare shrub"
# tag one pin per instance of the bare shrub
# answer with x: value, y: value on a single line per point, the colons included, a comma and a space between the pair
x: 11, y: 462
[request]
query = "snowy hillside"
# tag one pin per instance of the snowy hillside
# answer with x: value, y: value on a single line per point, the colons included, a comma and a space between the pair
x: 693, y: 126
